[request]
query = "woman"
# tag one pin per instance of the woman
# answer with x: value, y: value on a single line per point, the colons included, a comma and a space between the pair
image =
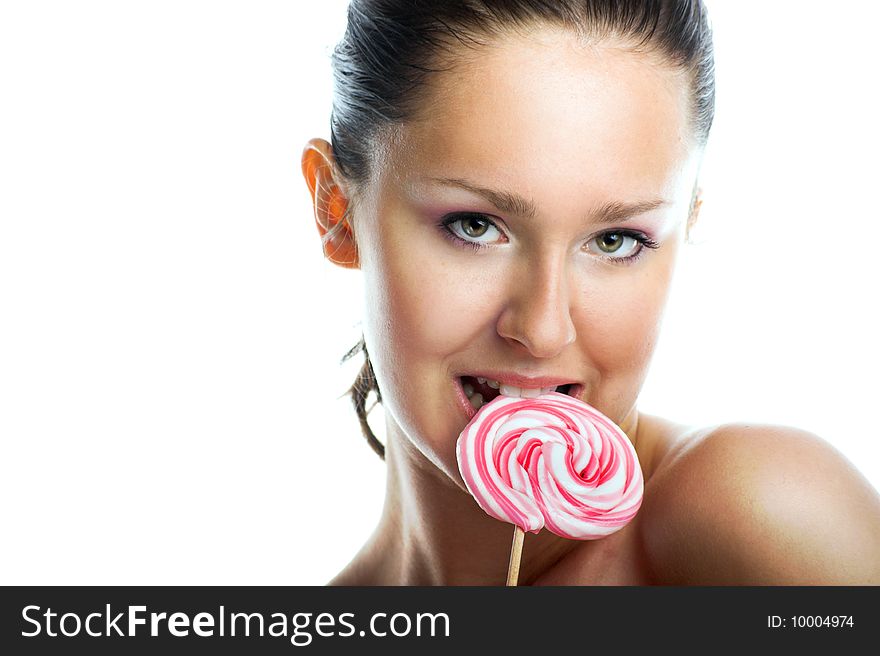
x: 515, y: 179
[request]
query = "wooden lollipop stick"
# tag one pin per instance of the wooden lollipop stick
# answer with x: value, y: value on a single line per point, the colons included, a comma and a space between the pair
x: 515, y: 556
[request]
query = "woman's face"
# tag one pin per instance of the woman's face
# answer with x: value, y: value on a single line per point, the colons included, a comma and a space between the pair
x: 501, y: 232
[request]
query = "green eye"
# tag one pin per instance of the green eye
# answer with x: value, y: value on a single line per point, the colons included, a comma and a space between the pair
x: 621, y: 247
x: 469, y: 229
x: 468, y: 226
x: 610, y: 242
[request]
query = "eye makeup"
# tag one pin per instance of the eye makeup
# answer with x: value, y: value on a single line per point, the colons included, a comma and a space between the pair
x: 640, y: 240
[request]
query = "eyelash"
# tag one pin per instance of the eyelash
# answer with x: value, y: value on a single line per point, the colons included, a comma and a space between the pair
x: 644, y: 240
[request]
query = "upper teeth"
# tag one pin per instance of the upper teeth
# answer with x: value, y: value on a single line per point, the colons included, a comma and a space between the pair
x: 510, y: 390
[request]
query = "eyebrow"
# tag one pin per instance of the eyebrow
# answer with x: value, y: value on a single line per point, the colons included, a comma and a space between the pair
x: 511, y: 203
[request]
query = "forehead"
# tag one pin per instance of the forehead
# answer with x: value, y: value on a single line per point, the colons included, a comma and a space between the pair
x: 545, y: 111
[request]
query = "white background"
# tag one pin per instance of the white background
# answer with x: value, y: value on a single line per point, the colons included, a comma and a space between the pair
x: 170, y: 335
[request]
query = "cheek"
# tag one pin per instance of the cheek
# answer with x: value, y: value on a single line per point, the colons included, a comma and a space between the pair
x: 620, y: 322
x: 424, y: 301
x: 417, y: 312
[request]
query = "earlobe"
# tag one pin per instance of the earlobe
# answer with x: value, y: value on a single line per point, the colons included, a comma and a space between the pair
x: 330, y: 204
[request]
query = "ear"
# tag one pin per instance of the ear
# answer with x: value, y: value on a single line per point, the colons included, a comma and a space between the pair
x: 696, y: 204
x: 330, y: 203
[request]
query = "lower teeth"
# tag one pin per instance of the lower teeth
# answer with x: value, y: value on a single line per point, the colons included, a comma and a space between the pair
x: 476, y: 401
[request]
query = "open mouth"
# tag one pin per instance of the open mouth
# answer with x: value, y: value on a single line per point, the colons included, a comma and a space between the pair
x: 481, y: 391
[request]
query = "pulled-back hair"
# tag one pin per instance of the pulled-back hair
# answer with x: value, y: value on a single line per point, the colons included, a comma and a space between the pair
x: 392, y: 47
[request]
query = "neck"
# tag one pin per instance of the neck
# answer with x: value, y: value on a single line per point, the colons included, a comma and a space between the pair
x: 432, y: 532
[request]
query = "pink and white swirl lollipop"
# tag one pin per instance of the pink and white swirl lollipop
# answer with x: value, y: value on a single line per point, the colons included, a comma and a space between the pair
x: 551, y: 461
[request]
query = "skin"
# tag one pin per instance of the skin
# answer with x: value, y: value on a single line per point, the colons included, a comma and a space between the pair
x: 569, y: 127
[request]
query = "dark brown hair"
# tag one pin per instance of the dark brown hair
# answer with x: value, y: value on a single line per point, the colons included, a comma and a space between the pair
x: 391, y: 47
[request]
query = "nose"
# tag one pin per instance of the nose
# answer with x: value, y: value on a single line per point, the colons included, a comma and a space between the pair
x: 537, y: 314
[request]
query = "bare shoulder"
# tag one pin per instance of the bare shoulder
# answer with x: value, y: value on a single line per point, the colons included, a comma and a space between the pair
x: 752, y: 504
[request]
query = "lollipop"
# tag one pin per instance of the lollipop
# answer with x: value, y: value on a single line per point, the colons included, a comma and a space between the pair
x: 550, y: 462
